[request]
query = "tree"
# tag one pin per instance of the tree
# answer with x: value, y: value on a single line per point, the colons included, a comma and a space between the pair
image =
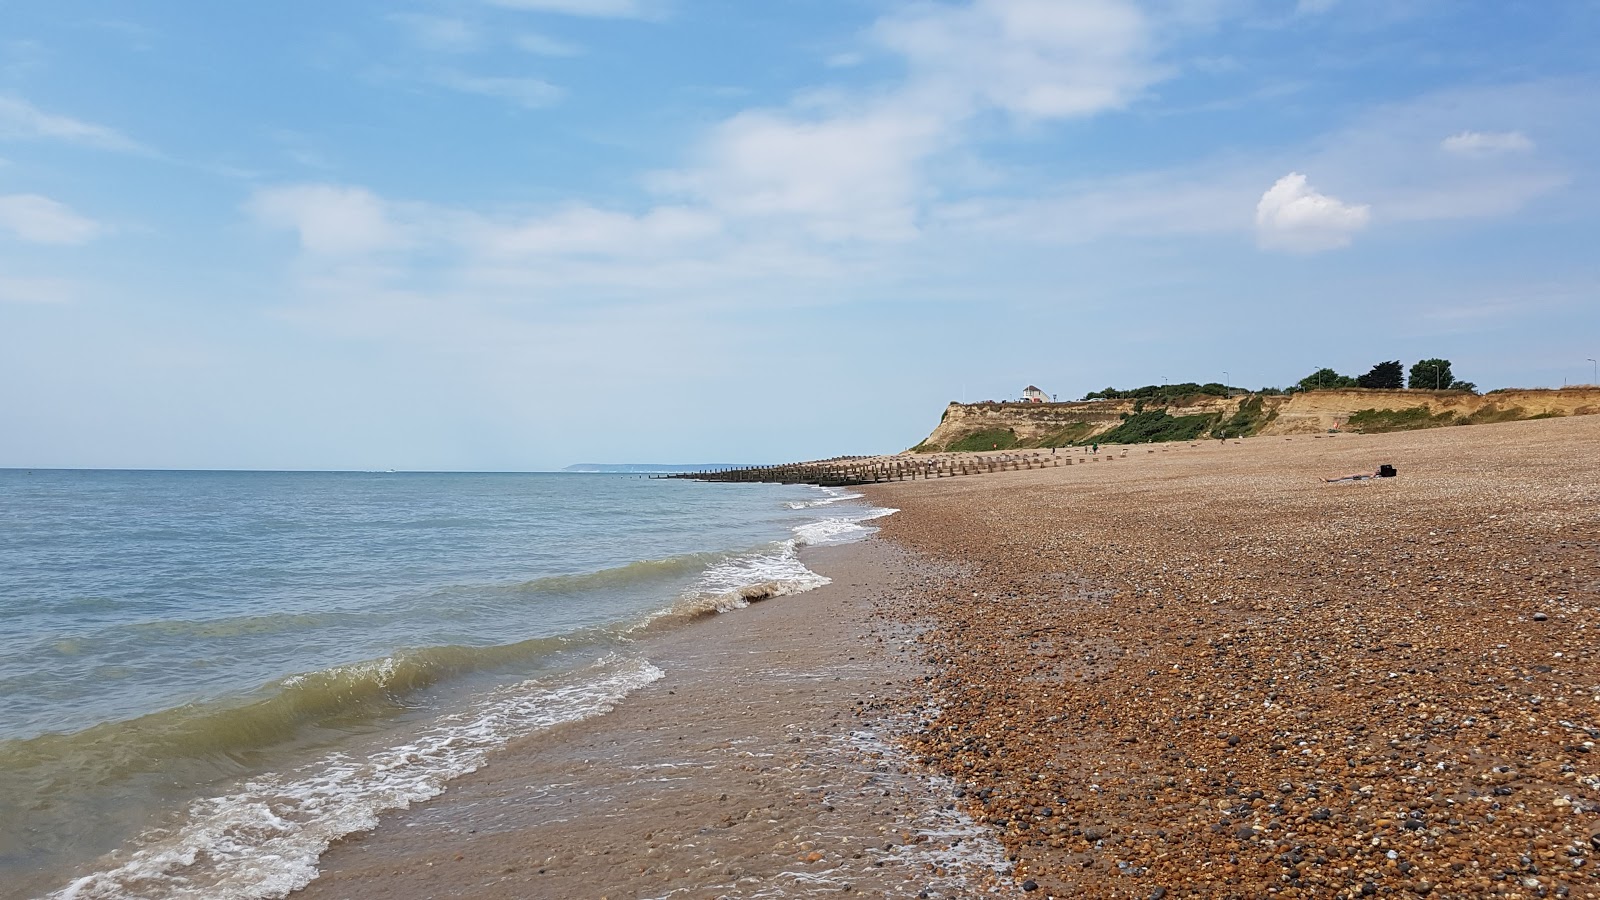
x: 1467, y: 386
x: 1322, y: 379
x: 1431, y: 374
x: 1383, y: 375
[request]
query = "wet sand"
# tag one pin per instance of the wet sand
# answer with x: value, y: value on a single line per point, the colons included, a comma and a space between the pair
x: 760, y: 766
x: 1203, y: 671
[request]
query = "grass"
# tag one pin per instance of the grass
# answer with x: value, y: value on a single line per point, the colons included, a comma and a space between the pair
x: 1491, y: 413
x: 1152, y: 426
x: 994, y: 439
x: 1377, y: 421
x: 1066, y: 436
x: 1246, y: 421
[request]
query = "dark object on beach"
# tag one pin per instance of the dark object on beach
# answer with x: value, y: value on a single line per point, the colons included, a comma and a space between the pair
x: 1386, y: 471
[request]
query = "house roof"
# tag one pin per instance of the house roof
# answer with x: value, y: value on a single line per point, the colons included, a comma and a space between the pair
x: 1032, y: 388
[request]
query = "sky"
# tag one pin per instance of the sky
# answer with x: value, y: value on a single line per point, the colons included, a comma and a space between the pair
x: 519, y: 234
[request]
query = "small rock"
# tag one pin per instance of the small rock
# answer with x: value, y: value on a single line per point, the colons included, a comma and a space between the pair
x: 1030, y: 885
x: 1541, y: 617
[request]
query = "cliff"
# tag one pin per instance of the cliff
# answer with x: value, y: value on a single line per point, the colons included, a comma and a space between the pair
x: 985, y: 426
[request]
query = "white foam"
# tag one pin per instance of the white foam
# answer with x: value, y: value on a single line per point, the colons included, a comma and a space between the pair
x: 263, y: 840
x: 775, y: 572
x: 842, y: 529
x: 833, y: 495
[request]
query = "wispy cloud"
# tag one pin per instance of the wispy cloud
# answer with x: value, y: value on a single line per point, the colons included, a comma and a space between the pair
x: 544, y: 45
x: 602, y: 9
x: 40, y: 220
x: 21, y: 120
x: 442, y: 33
x: 331, y: 220
x: 529, y: 93
x: 1294, y: 216
x: 1486, y: 143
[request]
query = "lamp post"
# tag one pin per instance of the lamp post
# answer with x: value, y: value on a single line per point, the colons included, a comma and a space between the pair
x: 1596, y: 371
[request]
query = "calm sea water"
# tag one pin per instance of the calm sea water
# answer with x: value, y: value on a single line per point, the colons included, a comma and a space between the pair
x: 207, y: 677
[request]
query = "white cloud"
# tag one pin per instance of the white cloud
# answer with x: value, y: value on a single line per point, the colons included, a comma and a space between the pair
x: 22, y: 120
x: 850, y: 175
x: 544, y: 45
x: 1313, y: 7
x: 40, y: 220
x: 529, y: 93
x: 1486, y: 143
x: 586, y: 231
x: 331, y: 220
x: 844, y: 167
x: 601, y: 9
x: 1294, y: 216
x: 36, y: 290
x: 1038, y: 59
x: 438, y: 32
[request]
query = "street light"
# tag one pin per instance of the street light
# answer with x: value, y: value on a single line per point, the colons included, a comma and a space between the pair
x: 1596, y: 371
x: 1435, y: 377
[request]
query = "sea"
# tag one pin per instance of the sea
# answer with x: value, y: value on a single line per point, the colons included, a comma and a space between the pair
x: 208, y: 677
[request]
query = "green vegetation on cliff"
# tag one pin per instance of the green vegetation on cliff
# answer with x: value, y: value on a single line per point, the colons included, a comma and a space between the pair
x: 993, y: 439
x: 1154, y: 425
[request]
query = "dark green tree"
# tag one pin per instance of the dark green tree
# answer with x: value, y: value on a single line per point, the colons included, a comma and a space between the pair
x: 1431, y: 374
x: 1467, y: 386
x: 1383, y: 375
x: 1323, y: 379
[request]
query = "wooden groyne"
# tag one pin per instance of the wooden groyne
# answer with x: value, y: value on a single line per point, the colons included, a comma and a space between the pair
x: 850, y: 470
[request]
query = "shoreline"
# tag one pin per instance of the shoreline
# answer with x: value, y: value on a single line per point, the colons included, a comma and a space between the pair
x: 749, y: 769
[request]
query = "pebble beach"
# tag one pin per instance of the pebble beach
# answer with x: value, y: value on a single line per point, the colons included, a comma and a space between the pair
x: 1202, y: 670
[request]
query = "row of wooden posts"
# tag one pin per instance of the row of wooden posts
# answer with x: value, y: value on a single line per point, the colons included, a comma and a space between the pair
x: 848, y: 470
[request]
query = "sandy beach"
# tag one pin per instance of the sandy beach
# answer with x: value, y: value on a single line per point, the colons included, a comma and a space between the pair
x: 1183, y: 670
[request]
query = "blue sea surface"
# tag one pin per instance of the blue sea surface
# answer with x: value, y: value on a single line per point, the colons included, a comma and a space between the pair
x: 185, y: 647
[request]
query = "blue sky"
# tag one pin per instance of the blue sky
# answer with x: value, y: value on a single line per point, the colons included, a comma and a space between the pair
x: 516, y: 234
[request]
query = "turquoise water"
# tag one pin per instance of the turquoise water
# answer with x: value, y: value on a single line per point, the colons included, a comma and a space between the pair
x: 205, y: 677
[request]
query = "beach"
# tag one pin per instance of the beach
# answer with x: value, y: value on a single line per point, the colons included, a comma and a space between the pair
x: 762, y: 764
x: 1199, y: 669
x: 1175, y: 670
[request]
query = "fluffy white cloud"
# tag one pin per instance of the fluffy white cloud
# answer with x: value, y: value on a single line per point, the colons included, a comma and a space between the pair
x: 851, y: 168
x: 850, y: 175
x: 529, y: 93
x: 41, y: 220
x: 331, y: 220
x: 1486, y: 143
x: 1294, y: 216
x: 603, y: 9
x: 20, y: 119
x: 1032, y: 58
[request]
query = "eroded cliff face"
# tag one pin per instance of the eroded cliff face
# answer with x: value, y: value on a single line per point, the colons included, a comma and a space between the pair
x: 1060, y: 424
